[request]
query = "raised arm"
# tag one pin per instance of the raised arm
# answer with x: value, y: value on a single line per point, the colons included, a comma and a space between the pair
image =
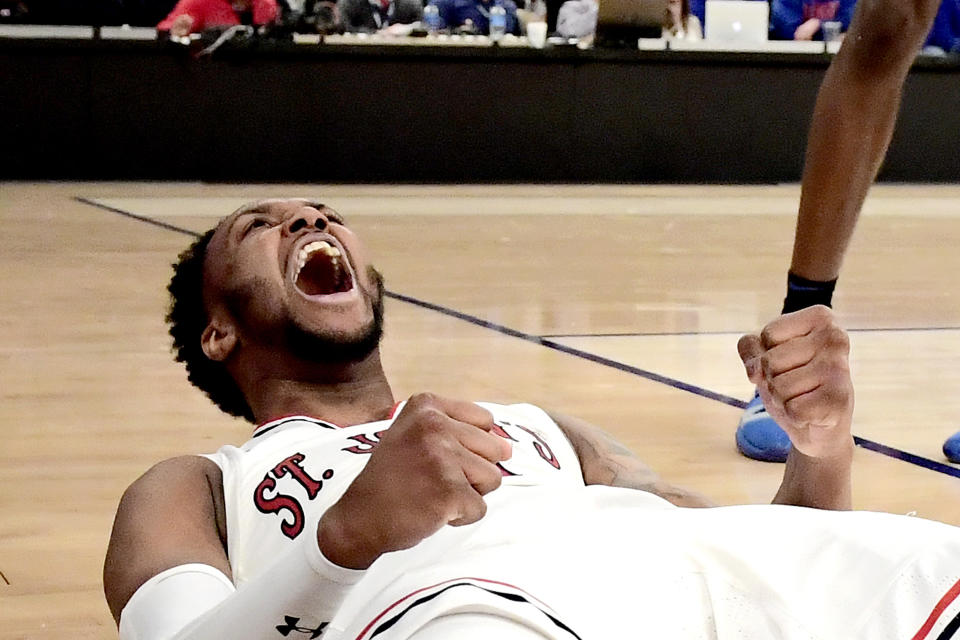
x: 606, y: 461
x: 852, y: 124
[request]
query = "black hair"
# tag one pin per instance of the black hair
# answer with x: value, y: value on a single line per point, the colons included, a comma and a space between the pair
x: 187, y: 317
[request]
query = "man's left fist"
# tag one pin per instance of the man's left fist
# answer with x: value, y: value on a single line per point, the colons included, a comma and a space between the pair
x: 800, y: 365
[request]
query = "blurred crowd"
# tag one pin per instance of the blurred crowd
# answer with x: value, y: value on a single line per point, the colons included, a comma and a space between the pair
x: 789, y: 19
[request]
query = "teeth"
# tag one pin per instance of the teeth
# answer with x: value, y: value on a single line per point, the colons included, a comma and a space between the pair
x: 308, y: 250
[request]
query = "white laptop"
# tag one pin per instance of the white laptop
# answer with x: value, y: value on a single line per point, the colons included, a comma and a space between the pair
x: 744, y: 21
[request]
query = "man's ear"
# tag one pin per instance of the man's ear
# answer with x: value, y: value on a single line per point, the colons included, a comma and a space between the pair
x: 219, y: 339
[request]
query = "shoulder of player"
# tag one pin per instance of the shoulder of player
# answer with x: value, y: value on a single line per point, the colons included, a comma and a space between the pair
x: 189, y: 484
x: 171, y: 515
x: 182, y: 471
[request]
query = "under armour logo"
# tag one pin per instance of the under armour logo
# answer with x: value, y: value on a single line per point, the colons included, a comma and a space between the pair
x: 290, y: 625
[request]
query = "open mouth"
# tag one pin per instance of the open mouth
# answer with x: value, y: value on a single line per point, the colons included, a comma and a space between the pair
x: 322, y: 270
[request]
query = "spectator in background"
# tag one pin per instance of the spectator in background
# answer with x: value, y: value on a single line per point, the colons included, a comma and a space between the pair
x: 802, y: 19
x: 699, y: 9
x: 945, y: 34
x: 455, y: 14
x: 577, y: 19
x: 681, y: 23
x: 368, y: 16
x: 194, y: 16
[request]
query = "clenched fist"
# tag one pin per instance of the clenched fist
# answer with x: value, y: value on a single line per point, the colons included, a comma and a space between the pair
x: 432, y: 468
x: 800, y: 365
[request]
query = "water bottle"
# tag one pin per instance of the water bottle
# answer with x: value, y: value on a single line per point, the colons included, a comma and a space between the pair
x: 498, y: 22
x: 431, y: 18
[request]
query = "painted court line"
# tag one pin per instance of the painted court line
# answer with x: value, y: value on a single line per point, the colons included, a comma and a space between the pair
x: 127, y: 214
x: 544, y: 341
x: 655, y: 334
x: 586, y: 355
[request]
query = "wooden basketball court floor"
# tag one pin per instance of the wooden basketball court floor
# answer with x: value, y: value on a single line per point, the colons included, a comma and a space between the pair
x: 621, y: 305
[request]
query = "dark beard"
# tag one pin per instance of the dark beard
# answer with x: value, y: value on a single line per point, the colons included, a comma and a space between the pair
x: 341, y: 348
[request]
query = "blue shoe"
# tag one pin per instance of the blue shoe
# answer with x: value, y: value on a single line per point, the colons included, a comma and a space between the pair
x: 951, y: 448
x: 761, y: 438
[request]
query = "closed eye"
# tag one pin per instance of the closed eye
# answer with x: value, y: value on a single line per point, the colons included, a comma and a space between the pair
x: 256, y: 223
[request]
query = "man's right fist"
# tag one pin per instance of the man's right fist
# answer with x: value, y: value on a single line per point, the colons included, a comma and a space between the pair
x: 432, y: 468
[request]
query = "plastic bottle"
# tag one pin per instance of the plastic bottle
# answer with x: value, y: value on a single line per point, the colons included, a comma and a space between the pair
x: 498, y: 22
x: 431, y: 18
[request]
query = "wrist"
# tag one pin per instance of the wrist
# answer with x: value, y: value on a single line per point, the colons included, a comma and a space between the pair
x: 840, y: 451
x: 821, y: 482
x: 340, y: 545
x: 838, y: 457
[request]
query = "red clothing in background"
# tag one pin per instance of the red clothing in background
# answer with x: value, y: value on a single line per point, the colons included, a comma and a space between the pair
x: 218, y: 13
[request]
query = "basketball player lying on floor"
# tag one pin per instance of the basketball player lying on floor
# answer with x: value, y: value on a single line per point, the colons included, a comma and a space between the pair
x: 350, y: 516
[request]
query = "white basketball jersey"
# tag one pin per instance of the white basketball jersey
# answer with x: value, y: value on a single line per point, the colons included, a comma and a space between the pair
x: 596, y: 562
x: 279, y: 483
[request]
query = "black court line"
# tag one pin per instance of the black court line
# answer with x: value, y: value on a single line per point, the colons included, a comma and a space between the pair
x: 586, y: 355
x: 906, y: 456
x: 7, y: 582
x: 127, y: 214
x: 544, y: 341
x: 654, y: 334
x: 638, y: 334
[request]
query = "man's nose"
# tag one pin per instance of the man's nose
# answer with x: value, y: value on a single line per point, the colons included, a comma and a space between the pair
x: 307, y: 217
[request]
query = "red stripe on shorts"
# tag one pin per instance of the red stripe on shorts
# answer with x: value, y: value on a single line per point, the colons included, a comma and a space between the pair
x: 945, y: 602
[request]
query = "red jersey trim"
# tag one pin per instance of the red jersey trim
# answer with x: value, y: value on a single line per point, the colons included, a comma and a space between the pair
x: 938, y: 610
x: 396, y: 408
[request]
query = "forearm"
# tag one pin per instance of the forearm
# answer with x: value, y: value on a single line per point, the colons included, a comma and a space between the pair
x: 853, y: 122
x: 176, y: 605
x: 848, y: 140
x: 820, y: 483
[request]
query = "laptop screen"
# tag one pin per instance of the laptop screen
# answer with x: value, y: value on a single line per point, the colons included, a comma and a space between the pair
x: 737, y: 20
